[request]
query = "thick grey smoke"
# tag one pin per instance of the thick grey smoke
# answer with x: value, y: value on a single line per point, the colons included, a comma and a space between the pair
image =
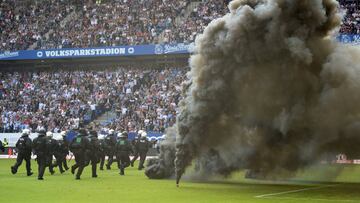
x: 163, y: 166
x: 270, y: 90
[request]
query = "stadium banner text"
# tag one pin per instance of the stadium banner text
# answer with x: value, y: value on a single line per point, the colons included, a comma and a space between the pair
x: 349, y: 39
x: 136, y: 50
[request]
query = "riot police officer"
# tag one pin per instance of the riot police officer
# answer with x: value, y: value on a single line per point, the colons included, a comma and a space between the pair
x: 41, y: 151
x: 2, y: 148
x: 135, y: 145
x: 143, y: 147
x: 23, y: 146
x: 123, y: 150
x: 78, y: 146
x: 102, y: 151
x: 110, y: 141
x: 93, y: 153
x: 59, y: 153
x: 51, y: 145
x: 64, y: 149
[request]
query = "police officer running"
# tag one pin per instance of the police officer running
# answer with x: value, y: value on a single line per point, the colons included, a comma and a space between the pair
x: 51, y: 145
x: 23, y: 146
x: 64, y: 149
x: 102, y: 151
x: 59, y: 153
x: 143, y: 147
x: 135, y: 145
x: 110, y: 141
x: 40, y: 150
x: 93, y: 153
x: 123, y: 150
x: 78, y: 146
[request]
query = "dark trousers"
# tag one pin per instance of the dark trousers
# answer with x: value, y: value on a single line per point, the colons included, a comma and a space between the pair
x: 59, y: 159
x: 93, y: 159
x: 48, y: 163
x: 123, y: 161
x: 136, y: 156
x: 41, y: 161
x: 23, y: 156
x: 111, y: 158
x: 80, y: 160
x: 102, y: 160
x: 142, y: 159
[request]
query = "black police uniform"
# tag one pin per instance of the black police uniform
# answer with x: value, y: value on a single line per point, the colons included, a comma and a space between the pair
x: 2, y: 148
x: 78, y: 146
x: 135, y: 146
x: 41, y: 151
x: 23, y: 146
x: 65, y: 152
x: 123, y: 150
x: 93, y: 154
x: 110, y: 141
x: 60, y: 153
x: 102, y: 153
x: 143, y: 147
x: 52, y: 147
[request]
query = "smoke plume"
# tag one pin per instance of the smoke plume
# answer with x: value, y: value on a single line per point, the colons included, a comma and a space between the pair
x: 269, y: 90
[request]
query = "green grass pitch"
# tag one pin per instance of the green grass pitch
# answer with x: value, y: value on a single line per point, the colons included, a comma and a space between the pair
x: 136, y: 187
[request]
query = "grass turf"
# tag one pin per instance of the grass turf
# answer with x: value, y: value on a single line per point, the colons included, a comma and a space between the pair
x: 136, y: 187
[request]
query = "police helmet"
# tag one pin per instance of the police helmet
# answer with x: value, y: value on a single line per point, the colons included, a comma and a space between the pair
x: 101, y: 137
x: 143, y: 135
x: 63, y: 133
x: 26, y: 132
x: 49, y: 134
x: 42, y: 131
x: 58, y: 137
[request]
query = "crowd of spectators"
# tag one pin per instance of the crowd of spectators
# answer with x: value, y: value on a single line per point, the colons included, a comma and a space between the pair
x: 40, y: 24
x: 351, y: 21
x: 23, y: 23
x: 196, y: 22
x: 116, y: 22
x: 62, y: 100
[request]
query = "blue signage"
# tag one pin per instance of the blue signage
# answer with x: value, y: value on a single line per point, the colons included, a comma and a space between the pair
x: 136, y: 50
x: 349, y: 39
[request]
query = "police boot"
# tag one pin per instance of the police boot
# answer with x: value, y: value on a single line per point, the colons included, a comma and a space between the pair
x: 122, y: 171
x: 30, y: 174
x: 72, y: 169
x: 13, y: 170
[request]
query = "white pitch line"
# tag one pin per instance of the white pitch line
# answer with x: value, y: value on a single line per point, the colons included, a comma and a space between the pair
x: 294, y: 191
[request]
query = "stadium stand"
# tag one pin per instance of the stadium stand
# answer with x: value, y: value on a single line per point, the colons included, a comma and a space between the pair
x: 61, y: 100
x: 117, y: 22
x: 23, y: 23
x: 65, y: 23
x: 350, y: 24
